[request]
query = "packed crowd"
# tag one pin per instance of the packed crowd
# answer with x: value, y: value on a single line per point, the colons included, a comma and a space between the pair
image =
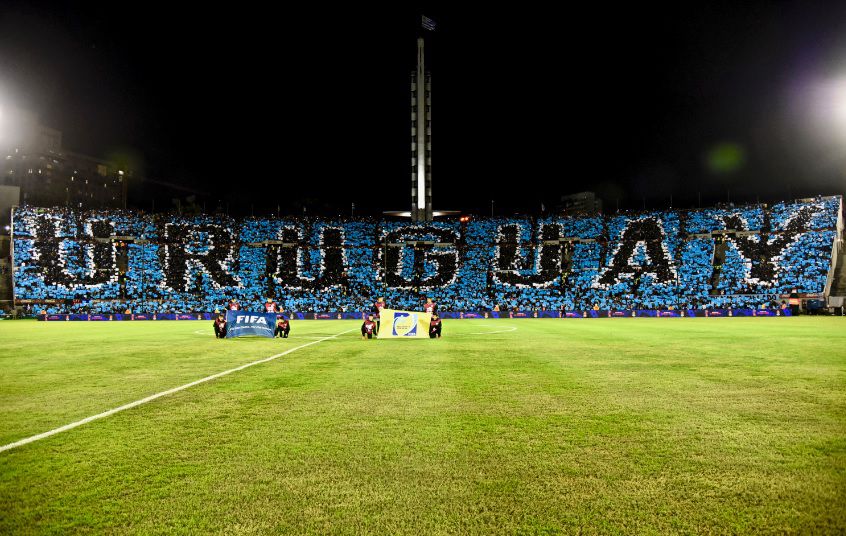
x: 114, y: 261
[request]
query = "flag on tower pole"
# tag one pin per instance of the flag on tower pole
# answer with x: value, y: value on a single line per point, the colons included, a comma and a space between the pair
x: 427, y: 23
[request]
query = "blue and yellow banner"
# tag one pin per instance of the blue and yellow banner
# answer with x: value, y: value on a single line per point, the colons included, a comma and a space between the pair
x: 404, y: 324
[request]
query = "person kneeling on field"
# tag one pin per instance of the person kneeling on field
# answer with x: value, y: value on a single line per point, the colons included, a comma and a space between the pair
x: 220, y: 327
x: 368, y: 328
x: 283, y: 327
x: 435, y: 327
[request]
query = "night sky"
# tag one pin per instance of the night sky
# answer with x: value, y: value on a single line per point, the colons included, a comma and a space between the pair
x: 259, y: 107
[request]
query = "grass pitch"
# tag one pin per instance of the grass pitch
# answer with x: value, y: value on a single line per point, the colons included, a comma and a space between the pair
x: 607, y: 425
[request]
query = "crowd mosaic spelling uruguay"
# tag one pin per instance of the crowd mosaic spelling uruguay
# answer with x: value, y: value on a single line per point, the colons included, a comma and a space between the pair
x: 112, y: 261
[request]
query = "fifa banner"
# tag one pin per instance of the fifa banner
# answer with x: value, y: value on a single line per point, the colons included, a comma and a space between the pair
x: 404, y: 324
x: 246, y: 323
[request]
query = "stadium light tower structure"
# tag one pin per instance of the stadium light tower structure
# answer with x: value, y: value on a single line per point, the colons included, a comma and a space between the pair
x: 421, y: 136
x: 421, y: 139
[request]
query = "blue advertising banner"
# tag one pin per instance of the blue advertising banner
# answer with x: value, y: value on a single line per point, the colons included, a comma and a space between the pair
x: 247, y: 323
x: 473, y: 314
x: 357, y: 315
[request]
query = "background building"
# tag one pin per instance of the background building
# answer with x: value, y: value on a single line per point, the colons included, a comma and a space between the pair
x: 582, y: 203
x: 33, y: 158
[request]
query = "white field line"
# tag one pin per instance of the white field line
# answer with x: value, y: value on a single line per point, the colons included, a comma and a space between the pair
x: 510, y: 329
x: 150, y: 398
x: 207, y: 333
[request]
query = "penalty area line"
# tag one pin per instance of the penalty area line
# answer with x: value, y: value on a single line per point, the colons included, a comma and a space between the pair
x: 150, y: 398
x: 508, y: 329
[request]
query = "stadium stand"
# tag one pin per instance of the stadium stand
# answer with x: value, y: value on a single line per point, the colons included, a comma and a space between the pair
x: 114, y: 261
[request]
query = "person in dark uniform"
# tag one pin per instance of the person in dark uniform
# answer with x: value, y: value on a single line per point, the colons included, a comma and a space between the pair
x: 220, y: 326
x: 283, y: 327
x: 793, y: 299
x: 368, y: 328
x: 435, y: 327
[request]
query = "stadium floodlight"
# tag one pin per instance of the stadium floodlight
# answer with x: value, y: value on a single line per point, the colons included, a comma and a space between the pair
x: 838, y: 102
x: 826, y: 103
